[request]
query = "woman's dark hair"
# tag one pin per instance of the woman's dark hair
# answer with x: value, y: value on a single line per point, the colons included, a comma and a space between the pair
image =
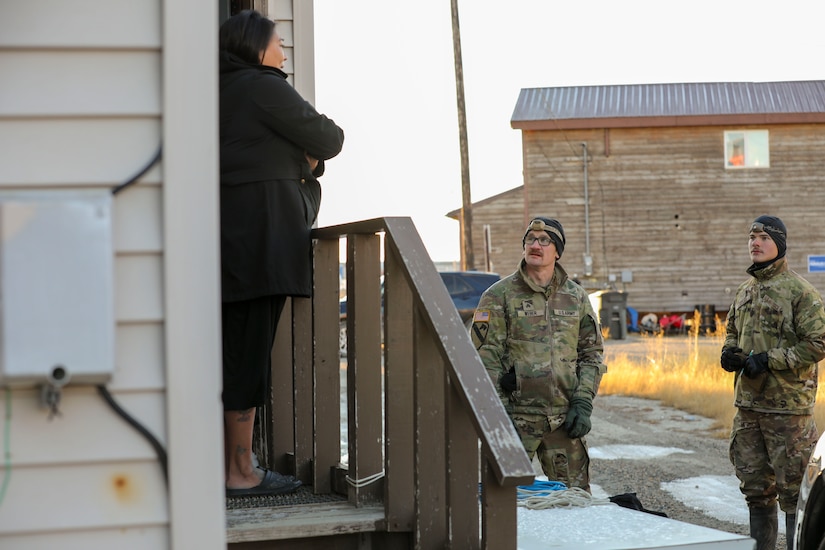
x: 246, y: 35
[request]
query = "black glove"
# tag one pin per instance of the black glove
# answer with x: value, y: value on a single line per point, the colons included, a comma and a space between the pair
x: 577, y: 423
x: 756, y: 364
x: 733, y: 359
x: 507, y: 381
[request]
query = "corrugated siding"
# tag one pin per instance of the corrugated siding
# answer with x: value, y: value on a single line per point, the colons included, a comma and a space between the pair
x: 80, y: 107
x: 669, y: 100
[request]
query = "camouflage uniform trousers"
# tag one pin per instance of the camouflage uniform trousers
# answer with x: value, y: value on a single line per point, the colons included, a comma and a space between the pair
x: 562, y: 459
x: 770, y: 452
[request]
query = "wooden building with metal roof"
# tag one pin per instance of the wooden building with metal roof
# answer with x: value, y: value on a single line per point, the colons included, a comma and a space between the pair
x: 656, y: 184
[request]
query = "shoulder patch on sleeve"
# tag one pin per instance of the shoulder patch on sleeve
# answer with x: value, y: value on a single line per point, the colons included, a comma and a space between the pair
x: 481, y: 326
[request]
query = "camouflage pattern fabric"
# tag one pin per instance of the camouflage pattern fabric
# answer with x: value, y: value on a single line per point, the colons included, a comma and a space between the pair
x: 562, y: 459
x: 773, y: 434
x: 549, y: 336
x: 551, y: 339
x: 780, y: 313
x: 769, y: 453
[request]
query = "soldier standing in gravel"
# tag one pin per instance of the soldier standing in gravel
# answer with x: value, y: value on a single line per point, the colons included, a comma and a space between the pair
x: 539, y: 339
x: 775, y: 337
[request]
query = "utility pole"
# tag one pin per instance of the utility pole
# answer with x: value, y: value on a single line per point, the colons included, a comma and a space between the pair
x: 467, y: 259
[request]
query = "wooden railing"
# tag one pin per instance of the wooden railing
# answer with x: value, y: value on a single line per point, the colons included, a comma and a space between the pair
x: 421, y: 409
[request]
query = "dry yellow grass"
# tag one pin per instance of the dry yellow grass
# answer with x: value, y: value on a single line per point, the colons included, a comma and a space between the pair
x: 686, y: 377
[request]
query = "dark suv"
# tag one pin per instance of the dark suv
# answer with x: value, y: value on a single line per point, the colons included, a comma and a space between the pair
x: 464, y: 287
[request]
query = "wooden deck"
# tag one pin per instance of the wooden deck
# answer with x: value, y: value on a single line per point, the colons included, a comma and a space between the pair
x: 421, y: 412
x: 301, y: 521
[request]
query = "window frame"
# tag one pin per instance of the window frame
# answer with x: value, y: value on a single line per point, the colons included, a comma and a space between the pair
x: 754, y: 146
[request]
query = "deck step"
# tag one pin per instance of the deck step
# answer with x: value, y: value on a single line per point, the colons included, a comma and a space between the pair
x: 301, y: 521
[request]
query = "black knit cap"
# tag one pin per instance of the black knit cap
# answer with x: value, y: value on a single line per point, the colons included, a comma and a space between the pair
x: 550, y: 226
x: 774, y: 227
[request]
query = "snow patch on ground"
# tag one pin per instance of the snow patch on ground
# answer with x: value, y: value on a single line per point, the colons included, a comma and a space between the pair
x: 716, y: 496
x: 614, y: 452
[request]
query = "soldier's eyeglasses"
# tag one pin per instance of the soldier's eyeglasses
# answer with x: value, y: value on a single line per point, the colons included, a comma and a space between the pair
x: 543, y: 240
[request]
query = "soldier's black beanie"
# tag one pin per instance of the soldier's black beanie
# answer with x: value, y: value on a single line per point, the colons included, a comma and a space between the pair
x: 774, y: 227
x: 548, y: 225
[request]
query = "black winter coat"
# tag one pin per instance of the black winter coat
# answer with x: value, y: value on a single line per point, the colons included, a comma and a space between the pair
x: 269, y: 197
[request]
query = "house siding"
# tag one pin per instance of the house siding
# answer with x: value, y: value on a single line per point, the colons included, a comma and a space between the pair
x: 663, y: 206
x: 80, y: 108
x: 505, y: 216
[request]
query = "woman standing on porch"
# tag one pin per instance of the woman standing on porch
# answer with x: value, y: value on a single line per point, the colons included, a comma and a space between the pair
x: 273, y: 145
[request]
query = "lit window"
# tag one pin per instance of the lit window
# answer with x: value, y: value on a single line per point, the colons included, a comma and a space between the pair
x: 747, y: 149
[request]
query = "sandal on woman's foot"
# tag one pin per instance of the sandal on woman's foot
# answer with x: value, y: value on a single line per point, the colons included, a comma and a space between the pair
x: 279, y: 476
x: 273, y: 483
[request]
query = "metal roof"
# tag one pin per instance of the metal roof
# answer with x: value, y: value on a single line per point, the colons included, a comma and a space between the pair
x: 670, y: 104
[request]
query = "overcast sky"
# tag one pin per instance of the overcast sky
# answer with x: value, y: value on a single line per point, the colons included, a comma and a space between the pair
x: 385, y: 73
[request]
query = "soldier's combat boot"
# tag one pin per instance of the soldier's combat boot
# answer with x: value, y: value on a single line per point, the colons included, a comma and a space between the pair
x: 764, y: 526
x: 790, y: 529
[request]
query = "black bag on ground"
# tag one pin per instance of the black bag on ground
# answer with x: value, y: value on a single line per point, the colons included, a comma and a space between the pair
x: 630, y: 500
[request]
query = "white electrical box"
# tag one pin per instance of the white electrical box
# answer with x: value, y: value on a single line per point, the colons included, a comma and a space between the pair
x: 56, y: 288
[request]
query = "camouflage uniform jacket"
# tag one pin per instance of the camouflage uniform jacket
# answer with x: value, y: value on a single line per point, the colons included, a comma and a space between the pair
x: 780, y: 313
x: 550, y: 335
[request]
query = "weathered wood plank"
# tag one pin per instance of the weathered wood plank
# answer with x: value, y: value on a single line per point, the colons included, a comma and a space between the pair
x: 498, y: 513
x: 399, y: 488
x: 303, y: 521
x: 303, y: 354
x: 463, y: 474
x: 364, y: 404
x: 277, y: 427
x: 326, y: 366
x: 431, y: 526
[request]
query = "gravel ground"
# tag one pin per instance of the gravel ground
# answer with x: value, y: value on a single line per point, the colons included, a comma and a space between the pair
x: 619, y: 420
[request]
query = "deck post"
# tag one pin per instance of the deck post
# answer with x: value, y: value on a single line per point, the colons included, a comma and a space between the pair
x: 399, y: 488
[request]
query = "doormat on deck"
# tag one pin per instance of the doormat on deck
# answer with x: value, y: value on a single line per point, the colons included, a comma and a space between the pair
x: 303, y: 495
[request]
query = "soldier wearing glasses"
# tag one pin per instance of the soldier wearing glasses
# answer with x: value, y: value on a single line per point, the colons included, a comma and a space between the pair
x: 540, y: 341
x: 775, y: 335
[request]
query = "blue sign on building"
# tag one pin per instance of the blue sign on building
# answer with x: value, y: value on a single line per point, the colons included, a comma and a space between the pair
x: 816, y: 264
